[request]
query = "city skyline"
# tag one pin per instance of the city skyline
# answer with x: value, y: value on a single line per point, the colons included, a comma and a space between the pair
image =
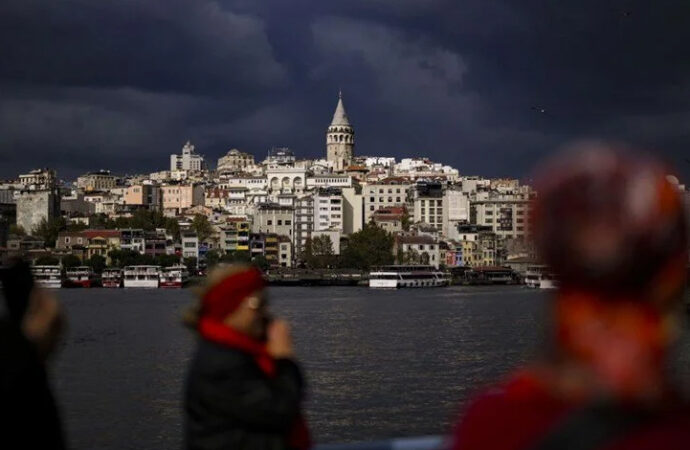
x: 121, y: 87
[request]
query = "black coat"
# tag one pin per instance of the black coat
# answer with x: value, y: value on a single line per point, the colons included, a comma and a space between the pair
x: 231, y: 404
x: 28, y: 415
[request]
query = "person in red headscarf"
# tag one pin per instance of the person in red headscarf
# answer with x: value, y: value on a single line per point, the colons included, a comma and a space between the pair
x: 244, y: 388
x: 612, y: 228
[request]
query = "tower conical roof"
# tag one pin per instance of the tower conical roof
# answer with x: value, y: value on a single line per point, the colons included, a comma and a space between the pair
x: 340, y: 116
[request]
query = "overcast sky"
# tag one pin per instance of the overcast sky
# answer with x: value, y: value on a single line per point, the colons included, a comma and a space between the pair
x: 488, y: 86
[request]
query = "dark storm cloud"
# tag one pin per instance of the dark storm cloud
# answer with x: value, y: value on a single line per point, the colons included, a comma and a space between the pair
x: 488, y: 86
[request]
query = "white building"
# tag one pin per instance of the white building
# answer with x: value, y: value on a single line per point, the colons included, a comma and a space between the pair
x: 97, y: 181
x: 328, y: 210
x: 235, y: 161
x: 507, y: 214
x: 273, y: 218
x: 188, y: 160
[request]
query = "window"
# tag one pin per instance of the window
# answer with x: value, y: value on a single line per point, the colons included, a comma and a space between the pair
x: 439, y: 202
x: 280, y: 222
x: 390, y: 191
x: 397, y: 199
x: 421, y: 247
x: 371, y: 208
x: 269, y: 222
x: 288, y: 222
x: 397, y: 191
x: 371, y: 199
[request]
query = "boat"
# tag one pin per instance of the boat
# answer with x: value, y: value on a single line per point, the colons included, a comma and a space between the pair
x: 402, y: 276
x: 111, y: 278
x: 141, y: 276
x: 81, y: 276
x: 47, y: 276
x: 174, y: 276
x: 539, y: 277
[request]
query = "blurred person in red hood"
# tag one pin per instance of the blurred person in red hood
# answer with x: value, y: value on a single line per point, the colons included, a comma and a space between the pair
x: 244, y: 387
x: 612, y: 228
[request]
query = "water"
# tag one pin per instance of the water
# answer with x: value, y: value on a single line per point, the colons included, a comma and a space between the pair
x: 379, y: 363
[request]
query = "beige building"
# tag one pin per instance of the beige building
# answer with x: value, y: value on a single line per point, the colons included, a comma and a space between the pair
x: 35, y: 206
x: 97, y: 181
x: 148, y: 195
x: 274, y: 218
x: 418, y: 250
x: 388, y: 192
x: 507, y: 214
x: 182, y: 196
x: 38, y: 179
x: 234, y: 161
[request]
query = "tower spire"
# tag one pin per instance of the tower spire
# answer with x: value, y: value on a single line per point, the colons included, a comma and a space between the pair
x: 340, y: 116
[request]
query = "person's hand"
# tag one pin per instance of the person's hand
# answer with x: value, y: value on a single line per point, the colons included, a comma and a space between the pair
x: 279, y: 340
x: 43, y: 321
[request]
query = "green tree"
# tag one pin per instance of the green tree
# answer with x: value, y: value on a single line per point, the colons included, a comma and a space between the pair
x: 371, y: 246
x: 97, y: 263
x: 191, y: 263
x: 202, y: 227
x: 212, y: 258
x: 79, y: 226
x: 48, y: 230
x: 236, y: 257
x: 261, y: 262
x: 318, y: 252
x: 405, y: 221
x: 47, y: 261
x: 71, y: 261
x: 17, y: 230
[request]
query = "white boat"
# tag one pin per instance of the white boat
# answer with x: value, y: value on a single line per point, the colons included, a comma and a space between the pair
x: 141, y: 276
x: 174, y: 276
x: 47, y: 276
x: 407, y: 277
x: 111, y: 278
x: 81, y: 276
x: 539, y: 277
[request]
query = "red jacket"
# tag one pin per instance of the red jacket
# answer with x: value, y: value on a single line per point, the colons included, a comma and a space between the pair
x: 517, y: 414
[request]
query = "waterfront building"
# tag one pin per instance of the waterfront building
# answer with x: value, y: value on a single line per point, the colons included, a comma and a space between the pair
x: 284, y: 252
x: 132, y: 239
x: 304, y: 221
x: 353, y: 209
x: 340, y: 138
x: 234, y: 235
x: 101, y: 180
x: 190, y: 244
x: 417, y: 250
x: 188, y: 160
x: 390, y: 218
x: 234, y: 161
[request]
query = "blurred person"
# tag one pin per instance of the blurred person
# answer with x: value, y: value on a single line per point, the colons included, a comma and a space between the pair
x: 244, y: 388
x: 29, y: 331
x: 612, y: 228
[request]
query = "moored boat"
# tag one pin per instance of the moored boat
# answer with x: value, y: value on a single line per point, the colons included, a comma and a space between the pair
x: 174, y: 276
x: 407, y: 277
x: 111, y: 278
x: 47, y: 276
x: 81, y: 276
x: 141, y: 276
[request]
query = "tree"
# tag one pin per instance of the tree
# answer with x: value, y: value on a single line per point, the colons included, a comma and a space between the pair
x: 97, y: 263
x: 261, y: 262
x: 71, y: 261
x: 371, y: 246
x: 236, y: 257
x: 191, y: 263
x: 405, y: 220
x: 16, y: 230
x: 47, y: 261
x: 318, y: 252
x: 212, y: 258
x: 48, y: 230
x: 202, y: 227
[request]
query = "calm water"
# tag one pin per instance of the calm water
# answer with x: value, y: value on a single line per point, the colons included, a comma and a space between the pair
x: 379, y: 364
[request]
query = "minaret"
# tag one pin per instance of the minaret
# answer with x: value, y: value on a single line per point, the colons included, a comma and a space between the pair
x: 340, y: 138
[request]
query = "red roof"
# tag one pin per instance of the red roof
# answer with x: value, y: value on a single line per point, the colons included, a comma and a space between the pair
x: 101, y: 233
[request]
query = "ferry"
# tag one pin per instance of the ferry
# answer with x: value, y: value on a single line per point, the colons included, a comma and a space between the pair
x: 539, y: 277
x: 407, y: 277
x: 81, y: 276
x: 111, y: 278
x: 141, y: 276
x: 47, y: 276
x: 174, y: 277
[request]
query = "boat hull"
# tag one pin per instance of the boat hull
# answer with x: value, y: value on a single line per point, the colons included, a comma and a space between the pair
x: 50, y: 284
x: 152, y: 284
x: 112, y: 284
